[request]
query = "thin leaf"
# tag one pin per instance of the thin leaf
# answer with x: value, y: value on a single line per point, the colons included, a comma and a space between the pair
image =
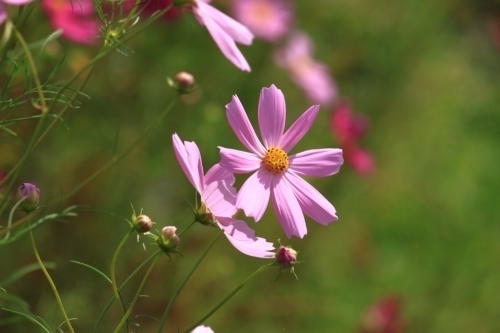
x: 92, y: 268
x: 28, y: 317
x: 23, y: 271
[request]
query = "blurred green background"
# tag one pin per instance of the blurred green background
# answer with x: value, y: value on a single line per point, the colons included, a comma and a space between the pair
x: 424, y: 226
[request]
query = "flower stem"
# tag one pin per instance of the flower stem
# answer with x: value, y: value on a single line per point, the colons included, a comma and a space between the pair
x: 47, y: 275
x: 113, y: 267
x: 228, y: 297
x: 186, y: 279
x: 105, y: 167
x: 136, y: 297
x: 127, y: 280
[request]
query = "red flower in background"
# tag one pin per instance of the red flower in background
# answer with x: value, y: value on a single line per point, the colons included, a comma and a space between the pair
x: 384, y: 317
x: 149, y: 7
x: 349, y: 129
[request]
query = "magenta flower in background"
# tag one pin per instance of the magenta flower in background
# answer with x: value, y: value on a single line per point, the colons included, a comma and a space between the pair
x: 225, y: 31
x: 349, y: 129
x: 278, y: 175
x: 384, y: 317
x: 219, y: 197
x: 3, y: 9
x: 267, y: 19
x: 77, y: 19
x: 202, y: 329
x: 312, y: 76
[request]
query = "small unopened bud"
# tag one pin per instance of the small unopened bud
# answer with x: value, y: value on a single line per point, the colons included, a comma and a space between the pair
x: 183, y: 82
x: 31, y: 195
x: 168, y: 240
x: 286, y: 257
x: 142, y: 224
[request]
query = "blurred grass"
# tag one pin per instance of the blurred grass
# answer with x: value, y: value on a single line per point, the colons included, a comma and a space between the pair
x: 424, y: 226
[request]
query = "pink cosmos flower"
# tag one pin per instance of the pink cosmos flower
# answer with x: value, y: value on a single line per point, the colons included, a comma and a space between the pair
x: 225, y: 31
x: 349, y: 129
x: 3, y: 9
x: 202, y: 329
x: 76, y: 18
x: 384, y: 317
x: 267, y: 19
x: 312, y: 76
x: 278, y: 175
x: 218, y: 198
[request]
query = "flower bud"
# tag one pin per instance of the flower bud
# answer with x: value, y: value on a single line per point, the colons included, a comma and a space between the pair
x: 142, y: 224
x: 168, y: 240
x: 286, y: 257
x: 183, y: 82
x: 31, y: 195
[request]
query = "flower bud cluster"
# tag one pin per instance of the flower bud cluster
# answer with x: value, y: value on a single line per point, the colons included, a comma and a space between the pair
x: 168, y: 240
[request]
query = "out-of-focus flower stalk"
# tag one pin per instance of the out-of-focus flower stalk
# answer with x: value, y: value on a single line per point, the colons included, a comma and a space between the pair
x: 228, y: 297
x: 186, y: 279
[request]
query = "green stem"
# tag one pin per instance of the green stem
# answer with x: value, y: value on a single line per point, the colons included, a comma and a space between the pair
x: 186, y: 279
x: 111, y: 300
x: 136, y: 297
x: 47, y: 275
x: 113, y: 267
x: 129, y: 17
x: 227, y: 298
x: 97, y: 173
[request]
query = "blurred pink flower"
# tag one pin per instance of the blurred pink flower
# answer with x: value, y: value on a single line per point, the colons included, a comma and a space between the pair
x: 278, y: 175
x: 312, y: 76
x: 349, y: 129
x: 202, y: 329
x: 3, y: 9
x: 384, y: 317
x: 219, y: 197
x: 76, y: 18
x: 267, y: 19
x: 225, y: 31
x: 149, y: 7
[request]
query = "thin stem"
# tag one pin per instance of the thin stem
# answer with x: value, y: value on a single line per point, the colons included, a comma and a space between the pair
x: 228, y: 297
x: 136, y: 297
x: 186, y: 279
x: 186, y: 229
x: 104, y: 168
x: 129, y: 17
x: 113, y: 267
x: 47, y: 275
x: 111, y: 300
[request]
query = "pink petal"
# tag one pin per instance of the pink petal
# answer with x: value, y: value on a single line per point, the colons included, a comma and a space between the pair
x: 243, y: 238
x: 238, y: 161
x: 299, y: 128
x: 202, y: 329
x: 237, y: 31
x: 272, y: 115
x: 242, y: 127
x: 16, y: 2
x: 225, y: 43
x: 253, y: 196
x: 220, y: 198
x: 3, y: 13
x: 361, y: 160
x: 219, y: 173
x: 287, y: 209
x: 189, y: 158
x: 313, y: 203
x: 317, y: 162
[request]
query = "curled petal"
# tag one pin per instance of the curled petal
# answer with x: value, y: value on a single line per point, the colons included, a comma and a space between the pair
x: 313, y: 203
x: 238, y: 161
x: 242, y: 127
x: 220, y: 198
x: 189, y: 158
x: 254, y: 194
x: 317, y: 162
x: 243, y: 238
x: 299, y: 128
x: 221, y: 37
x: 272, y: 115
x: 288, y: 209
x: 237, y: 31
x: 219, y: 173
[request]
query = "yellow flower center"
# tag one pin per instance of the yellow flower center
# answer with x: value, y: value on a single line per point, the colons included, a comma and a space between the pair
x: 276, y: 160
